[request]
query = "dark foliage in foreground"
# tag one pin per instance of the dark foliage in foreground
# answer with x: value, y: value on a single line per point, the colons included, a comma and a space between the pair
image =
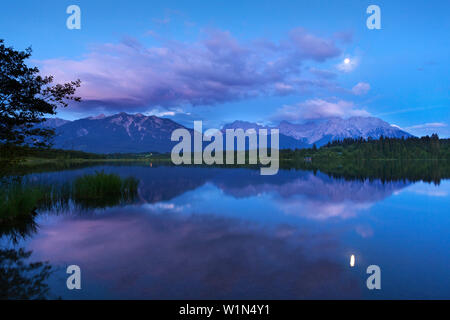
x: 21, y: 279
x: 26, y: 98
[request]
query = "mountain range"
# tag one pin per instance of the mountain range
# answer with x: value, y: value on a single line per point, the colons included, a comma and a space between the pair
x: 120, y: 133
x: 133, y: 133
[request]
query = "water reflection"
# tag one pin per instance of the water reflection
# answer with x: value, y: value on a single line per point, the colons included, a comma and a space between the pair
x: 311, y: 195
x: 21, y: 279
x: 301, y: 193
x: 197, y: 257
x: 352, y: 260
x: 211, y: 233
x: 20, y: 228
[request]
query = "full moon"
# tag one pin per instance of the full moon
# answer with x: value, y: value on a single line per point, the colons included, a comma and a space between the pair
x: 346, y: 60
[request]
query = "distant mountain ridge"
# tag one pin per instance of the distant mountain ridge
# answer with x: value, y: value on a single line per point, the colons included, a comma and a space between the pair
x: 285, y: 141
x: 133, y: 133
x: 120, y: 133
x: 324, y: 131
x: 53, y: 122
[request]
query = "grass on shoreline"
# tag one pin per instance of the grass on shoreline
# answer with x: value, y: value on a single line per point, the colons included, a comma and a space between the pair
x: 21, y: 199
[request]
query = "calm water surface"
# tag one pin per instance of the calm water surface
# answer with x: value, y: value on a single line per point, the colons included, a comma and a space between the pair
x: 210, y: 233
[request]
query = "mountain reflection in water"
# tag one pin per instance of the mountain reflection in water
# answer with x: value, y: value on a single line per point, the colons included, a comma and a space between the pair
x: 211, y: 233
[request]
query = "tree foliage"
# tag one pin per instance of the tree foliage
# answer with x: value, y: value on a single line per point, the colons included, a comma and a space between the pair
x: 424, y: 148
x: 21, y: 279
x: 27, y: 98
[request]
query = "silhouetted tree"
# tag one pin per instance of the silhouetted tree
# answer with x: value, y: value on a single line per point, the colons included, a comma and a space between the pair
x: 26, y: 98
x: 21, y: 279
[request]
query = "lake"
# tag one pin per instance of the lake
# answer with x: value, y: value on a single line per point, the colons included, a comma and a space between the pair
x: 230, y: 233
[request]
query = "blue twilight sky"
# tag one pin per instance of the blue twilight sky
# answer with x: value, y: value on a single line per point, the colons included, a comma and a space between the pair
x: 260, y: 61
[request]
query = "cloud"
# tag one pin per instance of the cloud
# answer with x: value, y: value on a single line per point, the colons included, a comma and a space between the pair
x: 361, y: 88
x: 165, y: 113
x: 318, y: 109
x: 344, y: 36
x: 160, y: 112
x: 348, y: 64
x: 312, y: 47
x: 214, y: 70
x: 408, y: 110
x: 430, y: 125
x: 284, y: 88
x: 440, y: 128
x: 323, y: 74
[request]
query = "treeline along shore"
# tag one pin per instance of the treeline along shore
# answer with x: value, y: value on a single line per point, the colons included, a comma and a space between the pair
x: 425, y: 148
x: 426, y: 158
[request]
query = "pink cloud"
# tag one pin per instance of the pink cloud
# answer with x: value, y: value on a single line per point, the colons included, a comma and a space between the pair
x: 317, y: 109
x: 361, y: 88
x: 215, y: 70
x: 344, y: 36
x: 430, y: 125
x: 313, y: 47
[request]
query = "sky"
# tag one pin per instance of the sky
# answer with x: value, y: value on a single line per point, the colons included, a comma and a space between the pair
x: 259, y: 61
